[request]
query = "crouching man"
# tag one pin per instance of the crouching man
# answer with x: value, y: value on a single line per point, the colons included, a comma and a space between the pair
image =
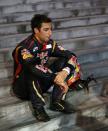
x: 33, y: 76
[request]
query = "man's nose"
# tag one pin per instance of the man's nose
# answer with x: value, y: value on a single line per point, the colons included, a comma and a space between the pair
x: 50, y: 32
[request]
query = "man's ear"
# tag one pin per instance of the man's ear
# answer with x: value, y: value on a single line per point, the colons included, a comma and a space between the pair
x: 36, y: 30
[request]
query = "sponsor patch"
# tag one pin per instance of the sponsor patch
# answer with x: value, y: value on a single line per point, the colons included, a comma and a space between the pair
x: 48, y: 46
x: 35, y: 49
x: 26, y: 54
x: 42, y: 68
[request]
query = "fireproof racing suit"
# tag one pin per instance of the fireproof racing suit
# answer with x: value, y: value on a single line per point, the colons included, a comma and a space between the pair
x: 32, y: 74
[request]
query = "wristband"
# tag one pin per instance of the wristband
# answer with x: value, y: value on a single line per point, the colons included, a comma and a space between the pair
x: 67, y: 69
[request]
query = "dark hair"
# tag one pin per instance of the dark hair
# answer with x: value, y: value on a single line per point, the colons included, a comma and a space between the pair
x: 38, y: 19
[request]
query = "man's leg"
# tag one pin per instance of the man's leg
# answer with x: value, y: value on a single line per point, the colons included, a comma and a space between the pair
x: 58, y: 102
x: 37, y: 100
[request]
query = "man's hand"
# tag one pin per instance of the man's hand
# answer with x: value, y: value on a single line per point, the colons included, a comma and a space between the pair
x: 60, y: 80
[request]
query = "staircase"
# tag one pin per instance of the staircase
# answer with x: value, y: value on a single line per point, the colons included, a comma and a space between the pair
x: 80, y: 26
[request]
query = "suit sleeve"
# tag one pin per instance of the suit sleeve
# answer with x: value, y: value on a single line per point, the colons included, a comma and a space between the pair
x: 59, y: 51
x: 71, y: 58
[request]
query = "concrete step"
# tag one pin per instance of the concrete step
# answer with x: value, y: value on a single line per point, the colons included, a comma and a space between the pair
x: 6, y: 55
x: 5, y: 82
x: 24, y: 11
x: 6, y: 70
x: 95, y: 126
x: 81, y: 3
x: 87, y: 63
x: 80, y: 32
x: 80, y: 21
x: 13, y: 108
x: 99, y: 69
x: 6, y: 85
x: 23, y: 27
x: 93, y: 59
x: 74, y: 32
x: 90, y: 124
x: 92, y: 55
x: 85, y: 53
x: 88, y: 107
x: 71, y: 44
x: 95, y: 88
x: 85, y: 42
x: 12, y: 40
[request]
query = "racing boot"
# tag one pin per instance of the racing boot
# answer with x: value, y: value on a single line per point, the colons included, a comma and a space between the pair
x: 58, y: 102
x: 41, y: 114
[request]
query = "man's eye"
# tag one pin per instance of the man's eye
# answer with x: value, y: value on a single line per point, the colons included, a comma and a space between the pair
x: 45, y: 29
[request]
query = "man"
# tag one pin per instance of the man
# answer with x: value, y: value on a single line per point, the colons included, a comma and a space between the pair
x: 33, y: 76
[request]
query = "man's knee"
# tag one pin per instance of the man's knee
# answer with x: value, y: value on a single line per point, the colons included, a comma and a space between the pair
x: 58, y: 64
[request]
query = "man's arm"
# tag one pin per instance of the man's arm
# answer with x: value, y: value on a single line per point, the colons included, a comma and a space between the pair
x: 71, y: 58
x: 59, y: 51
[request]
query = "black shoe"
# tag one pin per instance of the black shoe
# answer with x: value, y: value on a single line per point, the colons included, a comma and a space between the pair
x: 41, y: 115
x: 62, y: 106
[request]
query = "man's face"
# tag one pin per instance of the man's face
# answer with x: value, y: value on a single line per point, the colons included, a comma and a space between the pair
x: 44, y: 33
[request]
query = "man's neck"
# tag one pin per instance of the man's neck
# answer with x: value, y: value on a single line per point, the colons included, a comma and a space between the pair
x: 37, y: 38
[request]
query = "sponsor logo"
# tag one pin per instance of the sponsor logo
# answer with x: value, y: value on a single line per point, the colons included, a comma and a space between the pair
x: 35, y: 49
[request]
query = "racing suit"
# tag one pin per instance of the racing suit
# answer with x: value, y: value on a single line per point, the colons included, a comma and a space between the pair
x: 32, y: 74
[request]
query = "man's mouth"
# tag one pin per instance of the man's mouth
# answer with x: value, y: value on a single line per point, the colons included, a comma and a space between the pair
x: 48, y: 38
